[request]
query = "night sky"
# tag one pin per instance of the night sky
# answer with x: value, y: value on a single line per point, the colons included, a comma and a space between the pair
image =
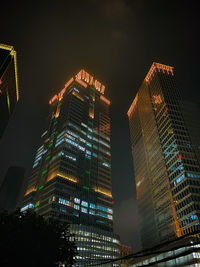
x: 114, y: 40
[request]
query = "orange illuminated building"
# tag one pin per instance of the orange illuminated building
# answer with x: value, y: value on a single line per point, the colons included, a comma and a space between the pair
x: 166, y: 162
x: 71, y: 176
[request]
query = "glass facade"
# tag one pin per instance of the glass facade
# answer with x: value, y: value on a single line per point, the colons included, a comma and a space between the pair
x: 182, y: 253
x: 165, y: 159
x: 94, y: 245
x: 71, y: 177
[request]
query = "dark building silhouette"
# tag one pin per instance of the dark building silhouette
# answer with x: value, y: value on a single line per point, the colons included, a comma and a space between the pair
x: 9, y: 93
x: 11, y: 188
x: 71, y: 176
x: 165, y: 147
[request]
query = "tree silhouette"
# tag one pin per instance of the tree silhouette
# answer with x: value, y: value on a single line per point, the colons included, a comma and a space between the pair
x: 27, y: 239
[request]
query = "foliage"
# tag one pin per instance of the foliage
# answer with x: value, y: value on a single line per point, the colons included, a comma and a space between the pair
x: 27, y: 239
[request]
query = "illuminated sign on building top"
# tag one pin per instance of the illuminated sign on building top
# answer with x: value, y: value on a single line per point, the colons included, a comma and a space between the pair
x: 89, y: 79
x: 83, y: 78
x: 158, y: 67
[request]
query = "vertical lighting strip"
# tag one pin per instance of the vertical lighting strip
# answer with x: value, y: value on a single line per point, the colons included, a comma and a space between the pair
x: 13, y: 52
x: 8, y: 100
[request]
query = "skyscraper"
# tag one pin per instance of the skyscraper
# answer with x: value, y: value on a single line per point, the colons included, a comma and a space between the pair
x: 165, y: 159
x: 71, y: 177
x: 9, y: 93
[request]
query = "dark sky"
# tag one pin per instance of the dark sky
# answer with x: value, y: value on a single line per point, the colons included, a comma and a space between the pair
x: 116, y: 41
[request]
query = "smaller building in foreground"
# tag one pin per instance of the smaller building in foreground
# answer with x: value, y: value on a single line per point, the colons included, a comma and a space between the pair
x: 95, y: 246
x: 125, y: 250
x: 180, y: 253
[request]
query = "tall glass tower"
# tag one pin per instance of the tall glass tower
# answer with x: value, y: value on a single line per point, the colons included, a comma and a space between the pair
x: 166, y: 159
x: 71, y: 177
x: 9, y: 92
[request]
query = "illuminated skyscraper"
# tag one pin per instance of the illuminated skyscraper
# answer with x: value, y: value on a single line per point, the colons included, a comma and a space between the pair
x: 71, y: 177
x: 166, y: 159
x: 9, y: 93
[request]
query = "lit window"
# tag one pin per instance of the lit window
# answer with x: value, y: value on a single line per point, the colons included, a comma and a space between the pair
x: 179, y: 179
x: 102, y: 214
x: 101, y: 208
x: 95, y: 147
x: 83, y: 124
x: 81, y: 148
x: 194, y: 217
x: 69, y: 157
x: 35, y: 164
x: 110, y: 217
x: 64, y: 202
x: 103, y: 143
x: 28, y: 206
x: 77, y: 207
x: 193, y: 175
x: 84, y: 203
x: 59, y: 142
x: 92, y: 212
x: 84, y: 210
x: 82, y: 140
x: 92, y: 205
x: 88, y: 152
x: 88, y: 144
x: 73, y: 125
x: 110, y: 211
x: 106, y: 164
x: 71, y: 137
x: 71, y: 142
x: 76, y: 90
x: 61, y: 134
x: 72, y: 133
x: 83, y: 132
x: 77, y: 200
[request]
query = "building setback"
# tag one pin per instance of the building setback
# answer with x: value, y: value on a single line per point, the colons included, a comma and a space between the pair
x: 166, y: 159
x: 9, y: 93
x: 71, y: 176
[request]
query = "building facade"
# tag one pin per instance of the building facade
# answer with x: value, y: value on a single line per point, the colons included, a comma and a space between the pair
x: 71, y: 177
x: 125, y: 251
x: 9, y: 93
x: 181, y: 253
x: 166, y: 162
